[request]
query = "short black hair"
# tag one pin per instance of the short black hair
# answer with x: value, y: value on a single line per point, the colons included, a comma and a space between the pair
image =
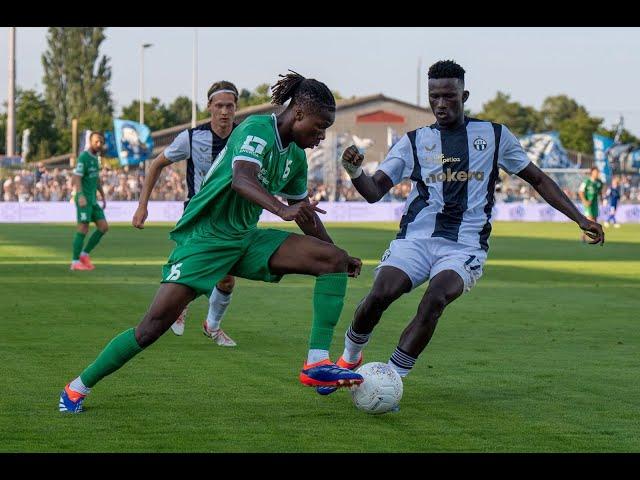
x: 594, y: 168
x: 302, y: 91
x: 96, y: 133
x: 222, y: 85
x: 446, y: 69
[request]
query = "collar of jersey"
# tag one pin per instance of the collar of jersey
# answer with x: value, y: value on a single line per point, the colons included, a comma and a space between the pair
x: 459, y: 127
x: 275, y: 127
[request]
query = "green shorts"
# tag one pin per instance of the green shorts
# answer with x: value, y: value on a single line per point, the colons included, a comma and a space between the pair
x: 90, y: 213
x: 203, y: 261
x: 591, y: 211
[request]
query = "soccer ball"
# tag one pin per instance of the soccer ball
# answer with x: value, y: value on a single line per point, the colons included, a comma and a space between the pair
x: 381, y: 390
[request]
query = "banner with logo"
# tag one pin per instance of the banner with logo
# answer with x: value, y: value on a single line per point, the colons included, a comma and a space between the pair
x: 133, y: 141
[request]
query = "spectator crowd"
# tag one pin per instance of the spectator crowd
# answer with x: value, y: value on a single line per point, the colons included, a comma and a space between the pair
x: 44, y: 184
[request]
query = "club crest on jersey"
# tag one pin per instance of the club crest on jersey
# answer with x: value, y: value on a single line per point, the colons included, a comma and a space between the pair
x: 479, y: 144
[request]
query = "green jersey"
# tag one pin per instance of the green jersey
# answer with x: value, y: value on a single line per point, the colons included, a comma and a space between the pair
x: 217, y: 210
x: 591, y: 189
x: 88, y: 167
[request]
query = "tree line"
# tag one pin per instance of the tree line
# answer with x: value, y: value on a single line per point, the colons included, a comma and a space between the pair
x: 76, y: 85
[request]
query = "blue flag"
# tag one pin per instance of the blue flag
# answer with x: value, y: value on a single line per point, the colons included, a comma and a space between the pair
x: 601, y: 145
x: 545, y: 150
x: 110, y: 145
x: 133, y: 141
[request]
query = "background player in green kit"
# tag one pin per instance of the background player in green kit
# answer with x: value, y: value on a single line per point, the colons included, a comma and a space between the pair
x: 218, y: 235
x: 86, y: 180
x: 590, y: 193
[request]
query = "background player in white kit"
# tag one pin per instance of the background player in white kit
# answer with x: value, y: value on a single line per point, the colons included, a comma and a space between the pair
x: 446, y: 224
x: 199, y: 146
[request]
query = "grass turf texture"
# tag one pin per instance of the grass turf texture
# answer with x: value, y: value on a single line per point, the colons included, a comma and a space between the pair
x: 541, y: 356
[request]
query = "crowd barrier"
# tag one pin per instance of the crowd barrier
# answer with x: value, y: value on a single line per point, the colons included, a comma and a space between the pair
x: 50, y: 212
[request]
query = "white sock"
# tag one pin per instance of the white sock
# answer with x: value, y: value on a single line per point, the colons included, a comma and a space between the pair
x: 83, y: 254
x: 218, y: 303
x: 74, y: 262
x: 354, y: 343
x: 316, y: 355
x: 78, y: 386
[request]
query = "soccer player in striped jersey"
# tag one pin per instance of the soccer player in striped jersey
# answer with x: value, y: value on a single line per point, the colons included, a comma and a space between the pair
x: 218, y: 235
x: 199, y: 146
x: 445, y: 229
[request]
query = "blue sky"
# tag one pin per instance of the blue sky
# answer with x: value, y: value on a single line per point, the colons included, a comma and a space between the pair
x: 599, y: 67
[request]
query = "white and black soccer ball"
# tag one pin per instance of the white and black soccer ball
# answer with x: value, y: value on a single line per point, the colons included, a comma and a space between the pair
x: 381, y: 390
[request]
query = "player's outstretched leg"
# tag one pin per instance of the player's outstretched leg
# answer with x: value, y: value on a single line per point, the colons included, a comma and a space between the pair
x: 219, y: 301
x: 329, y: 264
x: 443, y: 289
x: 389, y: 285
x: 169, y: 301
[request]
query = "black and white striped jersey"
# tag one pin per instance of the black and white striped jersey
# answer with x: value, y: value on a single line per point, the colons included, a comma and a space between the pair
x: 454, y: 173
x: 199, y: 146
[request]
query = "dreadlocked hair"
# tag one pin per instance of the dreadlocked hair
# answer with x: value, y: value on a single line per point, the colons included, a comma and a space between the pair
x: 446, y: 69
x: 305, y: 92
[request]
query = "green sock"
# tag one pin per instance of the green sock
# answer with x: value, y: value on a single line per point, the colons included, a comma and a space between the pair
x: 328, y: 299
x: 93, y: 240
x: 118, y: 352
x: 78, y: 241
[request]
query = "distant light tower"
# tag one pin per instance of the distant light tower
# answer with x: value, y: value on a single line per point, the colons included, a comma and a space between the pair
x: 142, y: 47
x: 195, y: 78
x: 11, y: 105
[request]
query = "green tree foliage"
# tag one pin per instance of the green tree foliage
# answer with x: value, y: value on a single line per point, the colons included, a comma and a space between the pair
x: 180, y: 110
x: 625, y: 137
x: 259, y: 96
x: 559, y: 108
x: 34, y: 113
x: 519, y: 118
x: 156, y: 115
x: 76, y: 80
x: 576, y: 133
x: 560, y: 113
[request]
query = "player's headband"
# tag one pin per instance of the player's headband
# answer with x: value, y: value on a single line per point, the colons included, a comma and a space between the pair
x: 215, y: 92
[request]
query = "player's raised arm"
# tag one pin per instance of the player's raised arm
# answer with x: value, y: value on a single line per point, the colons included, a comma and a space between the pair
x: 371, y: 188
x: 555, y: 197
x: 150, y: 180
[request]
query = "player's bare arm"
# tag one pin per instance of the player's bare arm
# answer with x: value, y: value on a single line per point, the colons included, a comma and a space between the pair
x: 149, y: 182
x: 555, y: 197
x: 77, y: 183
x: 245, y: 182
x: 371, y: 188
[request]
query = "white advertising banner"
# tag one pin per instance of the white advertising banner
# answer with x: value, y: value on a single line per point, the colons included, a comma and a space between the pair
x: 51, y: 212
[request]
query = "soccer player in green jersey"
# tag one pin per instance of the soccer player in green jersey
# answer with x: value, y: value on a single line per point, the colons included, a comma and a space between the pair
x: 218, y: 235
x: 86, y: 180
x: 590, y: 192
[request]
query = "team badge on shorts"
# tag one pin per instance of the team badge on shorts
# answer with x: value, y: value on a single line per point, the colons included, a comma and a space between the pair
x: 479, y: 144
x: 385, y: 255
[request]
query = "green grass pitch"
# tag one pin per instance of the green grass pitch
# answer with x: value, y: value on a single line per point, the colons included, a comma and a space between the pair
x: 541, y: 356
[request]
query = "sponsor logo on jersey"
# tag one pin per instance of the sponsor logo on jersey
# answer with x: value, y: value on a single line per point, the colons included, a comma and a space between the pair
x: 453, y: 176
x: 441, y: 159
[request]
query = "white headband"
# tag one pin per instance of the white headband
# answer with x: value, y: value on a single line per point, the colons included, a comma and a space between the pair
x: 222, y: 91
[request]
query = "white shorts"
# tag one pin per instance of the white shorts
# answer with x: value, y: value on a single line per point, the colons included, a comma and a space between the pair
x: 423, y: 258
